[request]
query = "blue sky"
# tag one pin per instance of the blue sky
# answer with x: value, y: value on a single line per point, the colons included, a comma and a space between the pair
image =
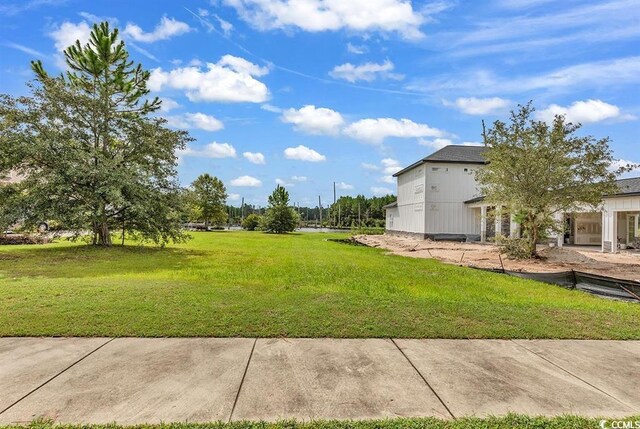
x: 308, y: 92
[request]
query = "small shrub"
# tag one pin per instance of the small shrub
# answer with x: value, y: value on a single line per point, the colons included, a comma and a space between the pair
x: 364, y: 230
x: 516, y: 248
x: 252, y: 222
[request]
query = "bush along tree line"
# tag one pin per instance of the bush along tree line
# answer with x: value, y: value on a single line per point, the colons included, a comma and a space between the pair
x: 359, y: 211
x: 539, y: 171
x: 279, y: 217
x: 93, y: 156
x: 206, y: 201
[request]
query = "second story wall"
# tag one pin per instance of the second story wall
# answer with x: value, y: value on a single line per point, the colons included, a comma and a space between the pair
x: 447, y: 187
x: 411, y: 198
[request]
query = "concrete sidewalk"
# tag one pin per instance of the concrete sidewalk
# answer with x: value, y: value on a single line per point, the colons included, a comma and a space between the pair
x: 136, y: 380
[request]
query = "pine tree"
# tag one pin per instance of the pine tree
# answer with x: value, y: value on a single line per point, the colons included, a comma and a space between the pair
x: 93, y: 156
x: 280, y: 218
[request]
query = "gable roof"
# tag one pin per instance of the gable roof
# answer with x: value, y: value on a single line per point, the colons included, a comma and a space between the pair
x: 629, y: 186
x: 458, y: 154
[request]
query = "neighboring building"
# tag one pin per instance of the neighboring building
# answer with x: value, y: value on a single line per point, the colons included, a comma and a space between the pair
x: 432, y: 194
x: 438, y: 198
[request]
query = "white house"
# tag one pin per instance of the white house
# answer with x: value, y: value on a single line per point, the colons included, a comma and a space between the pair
x: 438, y: 198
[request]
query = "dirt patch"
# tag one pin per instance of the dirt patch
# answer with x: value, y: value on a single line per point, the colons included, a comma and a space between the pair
x: 623, y: 265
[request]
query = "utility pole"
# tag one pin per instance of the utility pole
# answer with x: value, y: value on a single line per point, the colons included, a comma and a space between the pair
x: 320, y: 210
x: 334, y: 201
x: 484, y: 133
x: 242, y: 210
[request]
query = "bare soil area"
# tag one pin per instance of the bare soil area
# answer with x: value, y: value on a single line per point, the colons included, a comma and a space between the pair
x: 623, y: 265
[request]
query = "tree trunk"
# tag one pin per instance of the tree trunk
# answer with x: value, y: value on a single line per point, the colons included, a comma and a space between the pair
x: 103, y: 234
x: 533, y: 242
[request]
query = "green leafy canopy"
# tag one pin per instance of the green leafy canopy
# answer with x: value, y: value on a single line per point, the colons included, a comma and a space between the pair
x: 540, y: 171
x: 94, y: 156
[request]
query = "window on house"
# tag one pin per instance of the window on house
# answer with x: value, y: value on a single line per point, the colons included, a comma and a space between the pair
x: 440, y: 169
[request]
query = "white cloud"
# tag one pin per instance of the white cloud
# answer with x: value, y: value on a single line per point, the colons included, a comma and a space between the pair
x: 167, y: 28
x: 299, y: 178
x: 226, y: 26
x: 270, y: 108
x: 241, y: 65
x: 387, y: 16
x: 438, y: 143
x: 343, y: 186
x: 370, y: 167
x: 204, y: 122
x: 246, y: 182
x: 303, y: 153
x: 168, y: 104
x: 254, y: 157
x: 195, y: 120
x: 283, y: 182
x: 314, y: 120
x: 357, y: 49
x: 367, y: 72
x: 618, y: 163
x: 212, y: 150
x: 381, y: 191
x: 583, y: 112
x: 593, y: 75
x: 233, y: 197
x: 376, y: 130
x: 479, y: 106
x: 67, y: 33
x: 389, y: 168
x: 229, y: 80
x: 143, y: 51
x: 25, y: 49
x: 586, y: 23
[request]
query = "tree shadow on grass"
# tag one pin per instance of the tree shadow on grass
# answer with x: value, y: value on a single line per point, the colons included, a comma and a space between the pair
x: 92, y: 261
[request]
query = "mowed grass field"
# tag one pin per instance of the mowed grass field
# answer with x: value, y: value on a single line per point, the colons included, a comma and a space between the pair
x: 299, y: 285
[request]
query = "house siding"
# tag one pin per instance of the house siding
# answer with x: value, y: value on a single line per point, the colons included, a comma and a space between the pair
x: 408, y: 216
x: 431, y: 200
x: 447, y: 187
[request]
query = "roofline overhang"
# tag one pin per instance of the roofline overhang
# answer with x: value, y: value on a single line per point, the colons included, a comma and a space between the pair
x: 628, y: 194
x: 422, y: 161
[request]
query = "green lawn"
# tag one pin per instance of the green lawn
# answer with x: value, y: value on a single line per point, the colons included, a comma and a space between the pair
x: 299, y: 285
x: 507, y: 422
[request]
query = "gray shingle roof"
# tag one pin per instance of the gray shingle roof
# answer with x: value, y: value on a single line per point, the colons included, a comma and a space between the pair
x: 628, y: 186
x: 452, y: 153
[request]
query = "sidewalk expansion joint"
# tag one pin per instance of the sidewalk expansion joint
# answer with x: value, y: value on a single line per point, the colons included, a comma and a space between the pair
x: 573, y: 375
x: 244, y: 374
x: 58, y: 374
x: 423, y: 378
